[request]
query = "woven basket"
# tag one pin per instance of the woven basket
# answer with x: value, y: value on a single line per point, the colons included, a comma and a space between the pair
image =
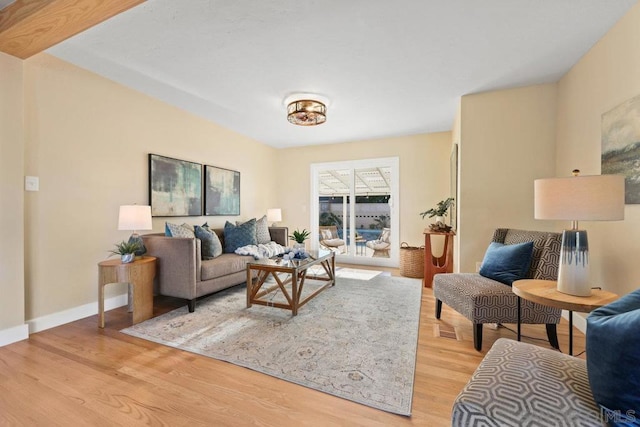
x: 411, y: 261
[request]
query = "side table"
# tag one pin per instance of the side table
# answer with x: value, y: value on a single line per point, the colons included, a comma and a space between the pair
x: 139, y: 274
x: 433, y: 264
x: 545, y: 292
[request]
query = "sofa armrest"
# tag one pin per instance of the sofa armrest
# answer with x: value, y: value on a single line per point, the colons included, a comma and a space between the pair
x: 176, y: 272
x: 280, y: 235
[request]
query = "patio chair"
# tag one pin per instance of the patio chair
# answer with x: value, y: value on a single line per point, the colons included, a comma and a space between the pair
x: 330, y: 239
x: 381, y: 245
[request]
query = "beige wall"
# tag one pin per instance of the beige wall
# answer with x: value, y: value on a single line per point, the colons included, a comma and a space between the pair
x: 605, y: 77
x: 88, y: 138
x: 11, y: 193
x: 507, y: 139
x: 424, y: 176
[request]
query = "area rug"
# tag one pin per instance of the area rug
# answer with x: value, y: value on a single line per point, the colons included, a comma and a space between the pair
x: 347, y: 273
x: 356, y: 340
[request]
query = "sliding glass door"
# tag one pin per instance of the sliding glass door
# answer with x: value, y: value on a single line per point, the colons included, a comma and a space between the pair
x: 354, y: 210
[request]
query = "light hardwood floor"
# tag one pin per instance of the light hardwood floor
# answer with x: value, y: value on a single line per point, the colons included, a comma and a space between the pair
x: 77, y: 374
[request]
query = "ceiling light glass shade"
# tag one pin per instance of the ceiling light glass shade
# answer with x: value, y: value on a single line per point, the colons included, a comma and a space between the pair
x: 306, y: 112
x: 578, y: 198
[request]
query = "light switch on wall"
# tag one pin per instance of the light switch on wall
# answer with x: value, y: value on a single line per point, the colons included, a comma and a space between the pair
x: 31, y: 183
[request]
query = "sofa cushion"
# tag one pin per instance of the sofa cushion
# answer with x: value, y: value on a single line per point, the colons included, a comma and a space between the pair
x: 175, y: 230
x: 211, y: 246
x: 223, y: 265
x: 507, y: 263
x: 236, y: 236
x: 613, y: 358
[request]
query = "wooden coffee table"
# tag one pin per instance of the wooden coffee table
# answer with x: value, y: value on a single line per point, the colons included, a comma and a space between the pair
x: 289, y: 277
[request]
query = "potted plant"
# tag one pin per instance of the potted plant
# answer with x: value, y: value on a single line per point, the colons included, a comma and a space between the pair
x: 300, y: 237
x: 440, y: 211
x: 126, y: 250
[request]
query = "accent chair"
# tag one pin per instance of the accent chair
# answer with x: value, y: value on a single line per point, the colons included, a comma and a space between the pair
x: 484, y: 300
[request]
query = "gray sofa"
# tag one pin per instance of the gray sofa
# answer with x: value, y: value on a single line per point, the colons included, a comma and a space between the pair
x: 181, y: 272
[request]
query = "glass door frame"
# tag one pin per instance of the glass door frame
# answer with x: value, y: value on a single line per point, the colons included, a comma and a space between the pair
x: 350, y: 256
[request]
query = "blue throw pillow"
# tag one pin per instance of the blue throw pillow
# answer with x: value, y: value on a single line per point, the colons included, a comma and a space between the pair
x: 236, y: 236
x: 210, y: 246
x: 507, y: 263
x: 613, y: 359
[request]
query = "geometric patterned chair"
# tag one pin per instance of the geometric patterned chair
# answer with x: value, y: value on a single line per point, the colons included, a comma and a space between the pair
x: 519, y: 384
x: 381, y: 245
x: 483, y: 300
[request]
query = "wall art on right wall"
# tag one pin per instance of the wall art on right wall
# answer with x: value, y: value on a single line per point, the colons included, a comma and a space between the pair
x: 621, y: 146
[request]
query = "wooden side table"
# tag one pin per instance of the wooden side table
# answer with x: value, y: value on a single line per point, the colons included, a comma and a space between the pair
x: 545, y: 292
x: 432, y: 264
x: 139, y: 274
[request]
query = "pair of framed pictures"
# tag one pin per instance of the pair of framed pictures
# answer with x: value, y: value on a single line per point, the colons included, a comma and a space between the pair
x: 176, y: 188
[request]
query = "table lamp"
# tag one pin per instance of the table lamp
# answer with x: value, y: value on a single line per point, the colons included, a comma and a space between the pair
x: 274, y: 215
x: 133, y: 218
x: 578, y: 198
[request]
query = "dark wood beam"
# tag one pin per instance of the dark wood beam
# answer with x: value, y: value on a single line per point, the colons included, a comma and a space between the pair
x: 28, y: 27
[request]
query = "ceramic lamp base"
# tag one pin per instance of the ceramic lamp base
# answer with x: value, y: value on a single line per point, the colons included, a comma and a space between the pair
x: 573, y: 275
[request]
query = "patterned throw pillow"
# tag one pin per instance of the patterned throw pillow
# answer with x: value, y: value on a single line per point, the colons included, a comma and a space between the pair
x: 211, y: 246
x: 175, y: 230
x: 236, y: 236
x: 385, y: 235
x: 262, y: 231
x: 326, y: 234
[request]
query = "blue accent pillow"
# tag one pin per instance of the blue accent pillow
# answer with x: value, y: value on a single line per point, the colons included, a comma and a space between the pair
x: 210, y: 243
x: 237, y: 236
x: 613, y: 359
x: 507, y: 263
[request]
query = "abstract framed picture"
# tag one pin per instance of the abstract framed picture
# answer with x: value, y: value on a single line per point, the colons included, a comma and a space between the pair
x: 175, y: 187
x: 621, y: 146
x: 221, y: 191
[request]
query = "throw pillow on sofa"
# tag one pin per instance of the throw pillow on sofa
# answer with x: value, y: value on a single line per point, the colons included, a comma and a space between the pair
x: 613, y: 359
x: 211, y: 246
x: 262, y: 230
x: 175, y: 230
x: 507, y: 263
x: 236, y: 236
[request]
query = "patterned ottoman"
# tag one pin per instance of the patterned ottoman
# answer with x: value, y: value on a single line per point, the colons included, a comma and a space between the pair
x: 519, y: 384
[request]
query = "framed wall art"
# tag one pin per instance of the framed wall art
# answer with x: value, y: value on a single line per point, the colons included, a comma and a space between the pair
x: 175, y: 187
x: 621, y: 146
x: 221, y: 191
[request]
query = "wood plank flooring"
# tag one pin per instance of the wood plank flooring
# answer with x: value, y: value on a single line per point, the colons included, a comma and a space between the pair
x: 77, y: 374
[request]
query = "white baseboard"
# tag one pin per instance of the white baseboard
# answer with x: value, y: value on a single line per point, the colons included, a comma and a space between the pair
x: 60, y: 318
x: 579, y: 322
x: 14, y: 334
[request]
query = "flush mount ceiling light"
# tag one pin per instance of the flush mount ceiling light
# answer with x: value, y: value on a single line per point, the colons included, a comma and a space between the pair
x: 306, y: 110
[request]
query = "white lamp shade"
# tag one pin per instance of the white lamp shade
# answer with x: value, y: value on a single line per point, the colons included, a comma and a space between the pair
x: 580, y: 198
x: 135, y: 217
x: 274, y: 215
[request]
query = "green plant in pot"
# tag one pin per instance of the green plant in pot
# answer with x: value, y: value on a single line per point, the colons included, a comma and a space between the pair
x: 440, y: 211
x: 300, y: 237
x: 126, y: 250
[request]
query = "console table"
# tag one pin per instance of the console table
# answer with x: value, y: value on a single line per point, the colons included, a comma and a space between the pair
x: 433, y: 264
x: 139, y: 274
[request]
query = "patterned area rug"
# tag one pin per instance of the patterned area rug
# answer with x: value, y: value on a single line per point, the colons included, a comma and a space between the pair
x: 356, y: 340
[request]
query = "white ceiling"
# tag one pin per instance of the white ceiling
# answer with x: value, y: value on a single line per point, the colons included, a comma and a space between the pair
x: 389, y: 68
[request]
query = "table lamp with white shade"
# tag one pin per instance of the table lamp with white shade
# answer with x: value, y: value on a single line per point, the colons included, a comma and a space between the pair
x: 578, y: 198
x: 134, y: 218
x: 274, y: 215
